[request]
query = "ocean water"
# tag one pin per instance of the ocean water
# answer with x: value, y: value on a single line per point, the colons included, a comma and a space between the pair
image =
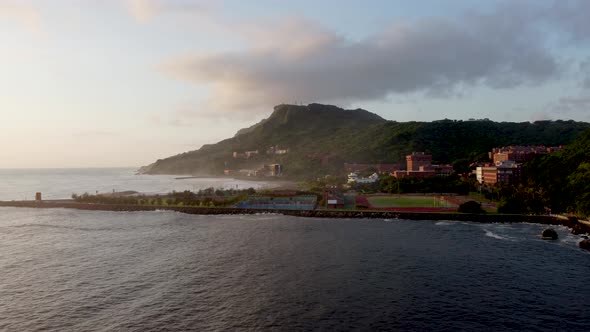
x: 71, y: 270
x: 19, y: 184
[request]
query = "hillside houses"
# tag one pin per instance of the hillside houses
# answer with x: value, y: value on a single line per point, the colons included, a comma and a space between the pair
x: 507, y: 163
x: 245, y: 155
x: 273, y: 150
x: 520, y: 154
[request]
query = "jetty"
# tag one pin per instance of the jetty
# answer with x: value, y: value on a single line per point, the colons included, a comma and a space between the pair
x: 319, y: 213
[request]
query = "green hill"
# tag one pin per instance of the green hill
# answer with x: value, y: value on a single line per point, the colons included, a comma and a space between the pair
x: 320, y: 138
x: 562, y: 180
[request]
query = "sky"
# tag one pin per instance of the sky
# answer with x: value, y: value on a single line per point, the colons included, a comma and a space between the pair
x: 121, y: 83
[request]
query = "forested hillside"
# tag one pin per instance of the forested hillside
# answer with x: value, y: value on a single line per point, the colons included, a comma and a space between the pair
x: 561, y: 181
x: 320, y: 138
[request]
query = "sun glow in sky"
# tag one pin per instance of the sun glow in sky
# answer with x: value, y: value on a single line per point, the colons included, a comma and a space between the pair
x: 88, y: 83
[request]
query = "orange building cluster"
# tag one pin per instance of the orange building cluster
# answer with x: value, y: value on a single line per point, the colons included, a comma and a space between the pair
x: 419, y: 165
x: 520, y: 154
x: 501, y: 172
x: 507, y: 163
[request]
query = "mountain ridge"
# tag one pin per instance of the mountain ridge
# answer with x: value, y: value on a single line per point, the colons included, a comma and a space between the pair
x: 320, y: 138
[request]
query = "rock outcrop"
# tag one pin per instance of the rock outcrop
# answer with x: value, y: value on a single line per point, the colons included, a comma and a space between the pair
x: 549, y: 234
x: 585, y: 244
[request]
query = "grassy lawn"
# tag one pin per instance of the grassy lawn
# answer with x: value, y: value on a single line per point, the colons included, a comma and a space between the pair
x: 407, y: 201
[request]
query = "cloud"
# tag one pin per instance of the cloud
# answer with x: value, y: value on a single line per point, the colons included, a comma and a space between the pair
x: 146, y: 10
x: 572, y: 104
x: 540, y: 116
x: 21, y: 13
x: 296, y: 60
x: 584, y: 70
x: 572, y: 16
x: 194, y: 114
x: 94, y: 134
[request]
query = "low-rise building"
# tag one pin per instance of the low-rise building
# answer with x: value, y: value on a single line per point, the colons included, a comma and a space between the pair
x: 419, y: 165
x: 245, y: 155
x: 520, y: 154
x: 381, y: 168
x: 354, y: 178
x: 269, y: 170
x: 508, y: 172
x: 276, y: 150
x: 417, y: 159
x: 415, y: 174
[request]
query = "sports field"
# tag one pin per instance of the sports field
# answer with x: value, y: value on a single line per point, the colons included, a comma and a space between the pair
x: 408, y: 201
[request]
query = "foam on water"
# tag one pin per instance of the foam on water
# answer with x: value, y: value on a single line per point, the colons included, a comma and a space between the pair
x: 495, y: 236
x: 445, y: 223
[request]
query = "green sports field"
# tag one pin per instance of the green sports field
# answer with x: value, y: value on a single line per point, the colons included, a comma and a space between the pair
x: 407, y: 201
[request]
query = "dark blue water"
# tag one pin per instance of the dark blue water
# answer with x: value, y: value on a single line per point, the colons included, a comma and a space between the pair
x: 68, y: 270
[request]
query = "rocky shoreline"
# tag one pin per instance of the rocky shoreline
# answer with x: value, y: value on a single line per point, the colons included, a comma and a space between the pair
x: 570, y: 222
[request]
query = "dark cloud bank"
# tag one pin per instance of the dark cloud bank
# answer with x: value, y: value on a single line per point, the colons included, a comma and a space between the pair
x: 298, y: 60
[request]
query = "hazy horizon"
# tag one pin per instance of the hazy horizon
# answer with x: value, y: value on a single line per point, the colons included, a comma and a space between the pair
x: 118, y: 83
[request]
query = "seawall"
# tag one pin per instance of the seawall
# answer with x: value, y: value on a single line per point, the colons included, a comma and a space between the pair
x: 483, y: 218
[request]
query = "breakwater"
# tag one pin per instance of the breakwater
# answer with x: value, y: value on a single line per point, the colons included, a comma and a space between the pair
x: 483, y: 218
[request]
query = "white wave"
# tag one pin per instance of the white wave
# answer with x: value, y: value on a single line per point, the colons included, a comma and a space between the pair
x: 445, y: 223
x: 496, y: 236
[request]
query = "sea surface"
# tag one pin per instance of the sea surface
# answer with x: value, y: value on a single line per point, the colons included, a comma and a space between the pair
x: 73, y: 270
x: 22, y: 184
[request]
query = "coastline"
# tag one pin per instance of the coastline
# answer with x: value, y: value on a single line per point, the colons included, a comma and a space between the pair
x: 368, y: 214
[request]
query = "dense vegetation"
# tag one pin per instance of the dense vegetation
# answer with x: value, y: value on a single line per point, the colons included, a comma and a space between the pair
x: 557, y: 183
x: 471, y: 207
x: 320, y: 138
x: 209, y: 197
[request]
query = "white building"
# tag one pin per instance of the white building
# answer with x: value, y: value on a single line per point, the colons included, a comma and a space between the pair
x: 354, y: 178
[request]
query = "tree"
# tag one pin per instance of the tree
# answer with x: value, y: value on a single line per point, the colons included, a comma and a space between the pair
x: 511, y: 205
x: 471, y: 207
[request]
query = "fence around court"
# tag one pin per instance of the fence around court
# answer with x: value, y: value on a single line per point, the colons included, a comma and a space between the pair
x: 279, y: 203
x: 409, y: 203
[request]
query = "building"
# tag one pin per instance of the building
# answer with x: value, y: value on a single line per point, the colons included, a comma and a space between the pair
x: 442, y: 170
x: 354, y: 178
x: 275, y: 150
x: 245, y: 155
x: 379, y: 168
x: 251, y: 153
x: 419, y: 165
x: 334, y: 200
x: 275, y: 169
x: 415, y: 174
x: 417, y: 159
x: 520, y: 154
x: 269, y: 170
x: 508, y: 172
x: 247, y: 172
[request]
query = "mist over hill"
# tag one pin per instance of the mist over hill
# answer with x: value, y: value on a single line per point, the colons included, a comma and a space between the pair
x: 318, y: 139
